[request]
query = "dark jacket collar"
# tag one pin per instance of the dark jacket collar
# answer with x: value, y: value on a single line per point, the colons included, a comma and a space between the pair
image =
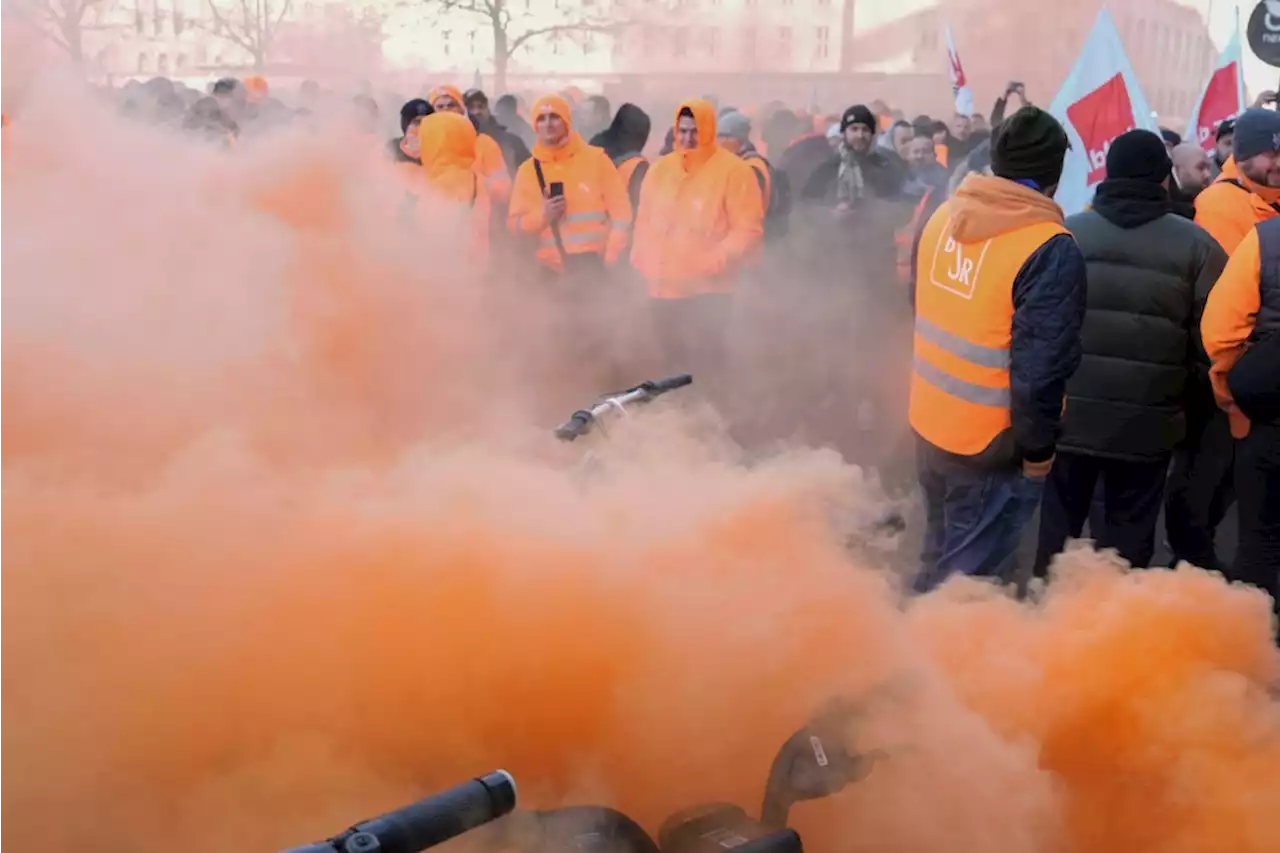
x: 1130, y: 204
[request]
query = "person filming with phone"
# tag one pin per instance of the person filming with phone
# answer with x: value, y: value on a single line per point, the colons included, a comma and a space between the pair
x: 570, y: 197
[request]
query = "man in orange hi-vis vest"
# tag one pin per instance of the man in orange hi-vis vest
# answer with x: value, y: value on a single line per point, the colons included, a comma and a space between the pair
x: 1000, y: 299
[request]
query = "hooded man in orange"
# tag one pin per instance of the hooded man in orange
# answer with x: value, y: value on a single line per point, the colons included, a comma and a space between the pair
x: 447, y: 148
x: 570, y: 196
x: 1000, y: 300
x: 448, y: 99
x: 701, y: 216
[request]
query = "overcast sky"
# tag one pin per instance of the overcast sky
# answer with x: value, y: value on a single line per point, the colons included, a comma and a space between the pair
x: 1221, y: 14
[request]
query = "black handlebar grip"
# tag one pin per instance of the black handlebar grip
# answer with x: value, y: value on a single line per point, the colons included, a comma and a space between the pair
x: 575, y: 426
x: 437, y: 818
x: 661, y: 386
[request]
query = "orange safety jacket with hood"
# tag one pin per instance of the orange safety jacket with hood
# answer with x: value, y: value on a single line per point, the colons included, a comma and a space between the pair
x: 489, y: 159
x: 597, y: 216
x: 976, y: 286
x: 701, y: 214
x: 1231, y: 206
x: 448, y: 152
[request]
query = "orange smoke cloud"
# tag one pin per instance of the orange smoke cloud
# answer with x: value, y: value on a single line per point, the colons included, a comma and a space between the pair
x: 287, y: 546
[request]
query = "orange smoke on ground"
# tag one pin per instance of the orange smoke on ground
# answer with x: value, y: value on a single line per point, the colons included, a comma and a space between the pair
x: 285, y: 548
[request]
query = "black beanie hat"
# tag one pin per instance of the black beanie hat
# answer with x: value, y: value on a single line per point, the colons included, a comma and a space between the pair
x: 1257, y: 132
x: 857, y: 114
x: 411, y: 110
x: 1030, y: 145
x: 1138, y: 155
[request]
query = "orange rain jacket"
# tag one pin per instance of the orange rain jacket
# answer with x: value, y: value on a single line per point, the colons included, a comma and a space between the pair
x: 701, y: 214
x: 1228, y: 322
x: 256, y: 88
x: 449, y: 166
x: 489, y: 158
x: 597, y: 212
x: 1232, y: 205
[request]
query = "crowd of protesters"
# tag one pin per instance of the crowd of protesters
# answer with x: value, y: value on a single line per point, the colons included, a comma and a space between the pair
x: 1102, y: 368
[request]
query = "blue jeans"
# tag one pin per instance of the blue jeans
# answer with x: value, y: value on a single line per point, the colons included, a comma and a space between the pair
x: 974, y: 521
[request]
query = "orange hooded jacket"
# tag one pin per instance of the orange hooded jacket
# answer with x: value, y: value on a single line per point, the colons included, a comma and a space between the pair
x: 448, y: 151
x: 1232, y: 205
x: 492, y: 165
x: 597, y: 209
x: 700, y: 216
x: 256, y: 88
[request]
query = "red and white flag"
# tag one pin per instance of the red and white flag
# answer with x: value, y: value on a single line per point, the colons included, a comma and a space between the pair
x: 1100, y: 100
x: 959, y: 83
x: 1222, y: 97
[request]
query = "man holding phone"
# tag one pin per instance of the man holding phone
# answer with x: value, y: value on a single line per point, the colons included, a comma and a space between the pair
x: 570, y: 196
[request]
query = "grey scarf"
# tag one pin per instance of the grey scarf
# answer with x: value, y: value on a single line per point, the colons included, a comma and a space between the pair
x: 851, y: 188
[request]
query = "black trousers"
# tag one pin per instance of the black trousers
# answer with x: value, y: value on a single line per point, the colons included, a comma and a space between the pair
x: 1258, y: 505
x: 1201, y: 490
x: 1131, y: 498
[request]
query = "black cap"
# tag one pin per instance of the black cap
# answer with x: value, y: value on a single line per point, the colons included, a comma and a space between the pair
x: 857, y: 114
x: 1226, y: 127
x: 1138, y: 155
x: 226, y: 86
x: 474, y: 96
x: 411, y: 110
x: 1030, y: 145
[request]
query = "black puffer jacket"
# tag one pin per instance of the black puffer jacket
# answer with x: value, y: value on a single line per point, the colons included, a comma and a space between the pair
x: 1149, y: 276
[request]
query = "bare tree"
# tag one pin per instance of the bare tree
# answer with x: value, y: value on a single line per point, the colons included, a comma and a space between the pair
x: 513, y: 29
x: 63, y: 22
x: 251, y: 25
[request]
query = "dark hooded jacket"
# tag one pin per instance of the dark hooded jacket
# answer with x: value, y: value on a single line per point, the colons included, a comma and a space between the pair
x: 1143, y: 365
x: 515, y: 124
x: 625, y: 138
x: 514, y: 151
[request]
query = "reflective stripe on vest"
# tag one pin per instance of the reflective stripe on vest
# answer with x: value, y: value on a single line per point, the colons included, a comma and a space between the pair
x: 960, y: 398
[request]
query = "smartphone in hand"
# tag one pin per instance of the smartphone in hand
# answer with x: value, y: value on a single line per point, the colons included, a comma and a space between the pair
x: 555, y: 189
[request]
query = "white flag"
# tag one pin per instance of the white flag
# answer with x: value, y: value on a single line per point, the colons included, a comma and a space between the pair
x: 1100, y: 100
x: 959, y: 83
x: 1222, y: 96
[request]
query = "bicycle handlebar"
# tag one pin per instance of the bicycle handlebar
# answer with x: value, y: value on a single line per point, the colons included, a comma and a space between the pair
x: 582, y: 421
x: 428, y: 822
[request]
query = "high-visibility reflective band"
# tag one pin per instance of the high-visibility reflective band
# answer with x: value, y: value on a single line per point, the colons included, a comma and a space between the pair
x: 980, y: 395
x: 593, y: 216
x: 621, y: 226
x: 573, y: 239
x: 978, y: 354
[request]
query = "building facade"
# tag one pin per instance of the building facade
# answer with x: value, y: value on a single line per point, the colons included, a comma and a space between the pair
x: 824, y: 53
